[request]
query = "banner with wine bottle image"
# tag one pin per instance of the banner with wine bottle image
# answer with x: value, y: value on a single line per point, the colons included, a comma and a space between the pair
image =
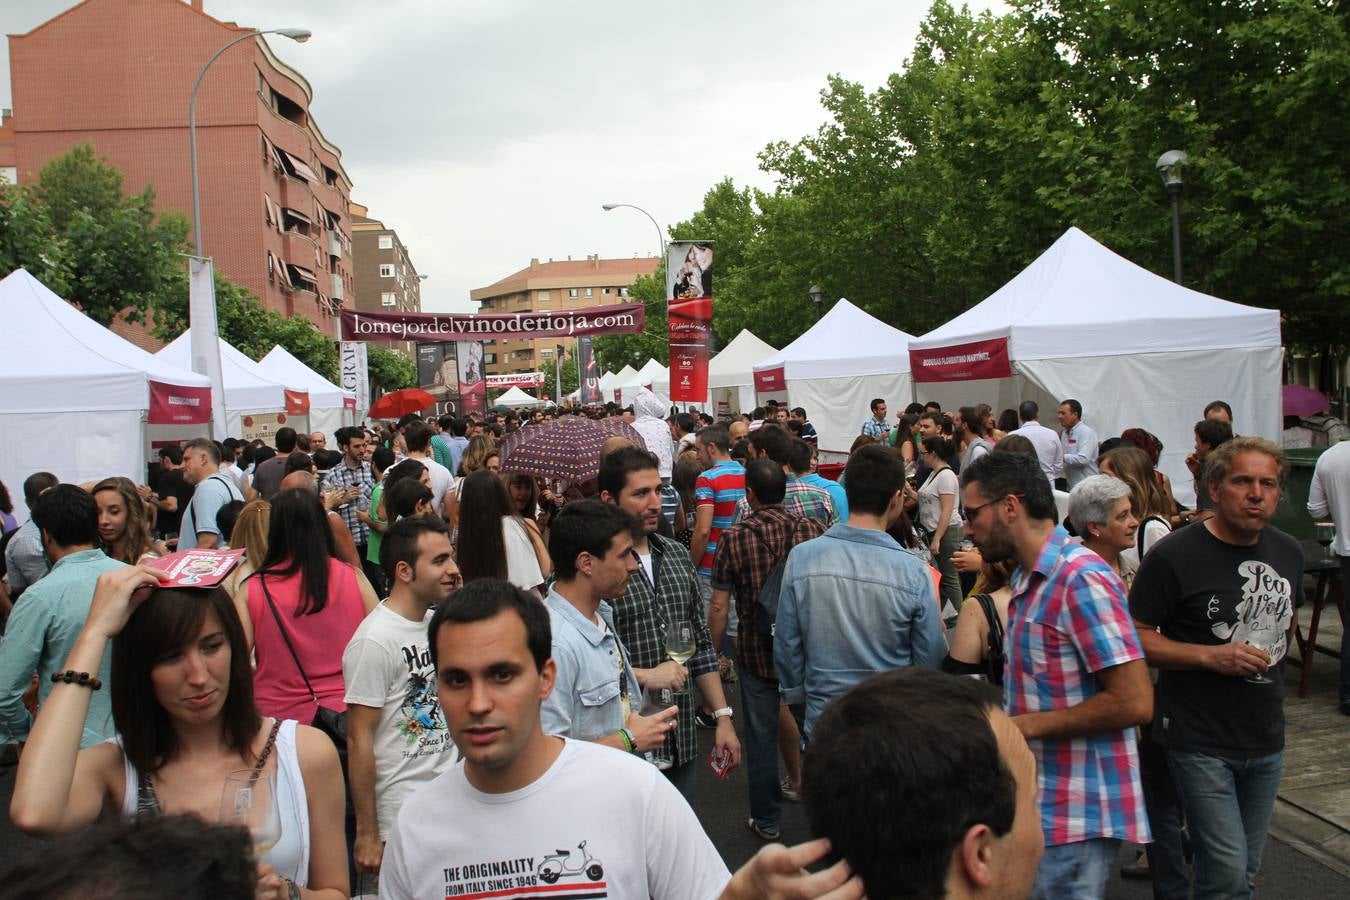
x: 689, y: 292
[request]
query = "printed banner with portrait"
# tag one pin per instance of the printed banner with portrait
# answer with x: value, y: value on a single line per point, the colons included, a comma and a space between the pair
x: 689, y: 289
x: 588, y: 372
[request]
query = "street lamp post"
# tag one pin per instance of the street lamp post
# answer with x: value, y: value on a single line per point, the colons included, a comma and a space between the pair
x: 660, y: 235
x: 205, y: 341
x: 817, y: 295
x: 1169, y: 167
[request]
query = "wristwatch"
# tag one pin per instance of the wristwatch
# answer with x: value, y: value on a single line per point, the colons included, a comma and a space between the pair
x: 292, y: 889
x: 725, y: 712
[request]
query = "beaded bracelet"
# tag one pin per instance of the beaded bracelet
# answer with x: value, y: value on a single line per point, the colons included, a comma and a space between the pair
x: 83, y: 679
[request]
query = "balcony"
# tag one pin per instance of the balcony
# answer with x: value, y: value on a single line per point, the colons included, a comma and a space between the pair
x: 336, y: 291
x: 299, y: 248
x: 334, y: 244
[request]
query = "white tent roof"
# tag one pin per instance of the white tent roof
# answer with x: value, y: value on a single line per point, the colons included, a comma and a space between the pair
x: 607, y: 381
x: 323, y: 394
x: 247, y: 385
x: 54, y: 358
x: 516, y: 397
x: 735, y: 365
x: 845, y: 342
x: 624, y: 377
x: 1079, y: 298
x: 651, y: 372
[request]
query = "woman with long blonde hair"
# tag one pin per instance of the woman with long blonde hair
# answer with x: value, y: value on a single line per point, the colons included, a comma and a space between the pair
x: 249, y: 535
x: 122, y: 521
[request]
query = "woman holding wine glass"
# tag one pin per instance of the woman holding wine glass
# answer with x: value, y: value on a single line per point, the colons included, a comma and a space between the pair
x: 189, y: 738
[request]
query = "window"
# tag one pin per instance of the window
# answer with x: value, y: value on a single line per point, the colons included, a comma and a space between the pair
x: 589, y: 293
x: 388, y: 298
x: 572, y: 292
x: 543, y: 295
x: 546, y: 354
x: 386, y: 270
x: 605, y: 291
x: 490, y: 358
x: 623, y: 292
x: 386, y: 242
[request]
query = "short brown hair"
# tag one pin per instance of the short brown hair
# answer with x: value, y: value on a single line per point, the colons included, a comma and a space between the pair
x: 1219, y: 461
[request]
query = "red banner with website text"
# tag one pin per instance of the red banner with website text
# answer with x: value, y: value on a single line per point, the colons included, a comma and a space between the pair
x: 962, y: 362
x: 690, y: 328
x: 619, y: 318
x: 171, y: 404
x: 770, y: 381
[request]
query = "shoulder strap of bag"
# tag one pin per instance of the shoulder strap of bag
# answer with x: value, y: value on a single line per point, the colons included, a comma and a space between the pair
x: 267, y: 595
x: 1141, y: 539
x: 991, y: 614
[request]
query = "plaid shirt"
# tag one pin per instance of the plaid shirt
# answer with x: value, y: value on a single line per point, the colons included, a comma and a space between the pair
x: 640, y: 620
x: 742, y: 565
x: 802, y: 499
x: 340, y: 476
x: 1068, y: 620
x: 875, y: 427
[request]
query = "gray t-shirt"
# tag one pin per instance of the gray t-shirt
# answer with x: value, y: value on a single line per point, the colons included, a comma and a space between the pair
x: 200, y: 515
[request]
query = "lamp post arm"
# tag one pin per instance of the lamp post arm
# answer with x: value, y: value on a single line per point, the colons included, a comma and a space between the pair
x: 660, y: 235
x: 192, y: 139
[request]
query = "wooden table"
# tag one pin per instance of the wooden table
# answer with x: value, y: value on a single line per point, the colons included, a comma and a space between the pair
x: 1327, y: 569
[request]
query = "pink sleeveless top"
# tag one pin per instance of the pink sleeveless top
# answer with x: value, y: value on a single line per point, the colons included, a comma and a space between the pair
x: 318, y: 639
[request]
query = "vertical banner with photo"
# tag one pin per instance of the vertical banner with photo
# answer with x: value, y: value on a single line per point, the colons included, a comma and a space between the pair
x: 557, y: 374
x: 689, y: 276
x: 438, y: 375
x: 588, y: 373
x: 472, y: 386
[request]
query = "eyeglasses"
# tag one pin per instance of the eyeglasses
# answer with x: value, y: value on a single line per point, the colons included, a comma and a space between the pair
x: 973, y: 511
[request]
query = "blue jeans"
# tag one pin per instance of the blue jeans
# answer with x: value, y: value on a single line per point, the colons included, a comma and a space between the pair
x: 759, y: 706
x: 1345, y: 630
x: 1228, y: 803
x: 1076, y: 871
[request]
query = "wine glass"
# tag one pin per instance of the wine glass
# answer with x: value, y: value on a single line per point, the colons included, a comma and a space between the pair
x: 1261, y: 677
x: 680, y: 641
x: 249, y: 800
x: 656, y: 700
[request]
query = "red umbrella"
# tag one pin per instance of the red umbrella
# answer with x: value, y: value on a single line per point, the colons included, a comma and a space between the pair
x: 568, y: 448
x: 1303, y: 401
x: 397, y: 404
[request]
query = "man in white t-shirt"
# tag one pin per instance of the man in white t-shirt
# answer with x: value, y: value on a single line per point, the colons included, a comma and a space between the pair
x: 529, y: 811
x: 417, y: 435
x: 396, y: 733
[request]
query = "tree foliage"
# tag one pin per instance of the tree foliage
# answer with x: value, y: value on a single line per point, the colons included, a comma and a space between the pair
x: 570, y: 380
x: 614, y: 351
x: 389, y: 371
x: 919, y: 198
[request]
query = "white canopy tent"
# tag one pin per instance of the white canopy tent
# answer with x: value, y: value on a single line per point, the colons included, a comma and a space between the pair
x: 330, y: 407
x: 249, y: 388
x: 1135, y: 349
x: 606, y: 386
x: 836, y: 369
x: 74, y: 397
x: 648, y: 376
x: 622, y: 377
x: 517, y: 399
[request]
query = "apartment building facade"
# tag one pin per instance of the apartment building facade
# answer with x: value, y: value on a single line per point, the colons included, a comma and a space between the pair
x: 553, y: 285
x: 382, y: 270
x: 118, y: 74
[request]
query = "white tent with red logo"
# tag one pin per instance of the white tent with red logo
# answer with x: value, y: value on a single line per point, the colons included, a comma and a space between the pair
x: 836, y: 369
x: 249, y: 388
x: 1136, y: 349
x: 75, y: 398
x: 330, y: 407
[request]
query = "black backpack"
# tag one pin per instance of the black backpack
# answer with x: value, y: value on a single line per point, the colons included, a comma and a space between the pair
x: 767, y: 601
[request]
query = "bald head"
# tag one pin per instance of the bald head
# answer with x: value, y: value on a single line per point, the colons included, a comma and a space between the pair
x: 739, y: 428
x: 299, y: 479
x: 614, y: 443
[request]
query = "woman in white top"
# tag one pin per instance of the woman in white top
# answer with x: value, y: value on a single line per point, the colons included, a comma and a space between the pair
x: 493, y: 541
x: 1099, y: 508
x: 939, y: 518
x: 182, y: 700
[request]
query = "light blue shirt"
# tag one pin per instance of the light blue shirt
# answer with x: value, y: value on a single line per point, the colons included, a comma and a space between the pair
x: 836, y: 492
x: 853, y: 604
x: 40, y: 635
x: 594, y: 674
x: 211, y: 494
x: 456, y: 445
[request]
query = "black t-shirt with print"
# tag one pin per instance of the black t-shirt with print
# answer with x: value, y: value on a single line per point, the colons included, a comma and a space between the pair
x: 1199, y: 590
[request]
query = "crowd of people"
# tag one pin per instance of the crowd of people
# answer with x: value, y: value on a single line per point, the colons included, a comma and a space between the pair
x: 462, y: 680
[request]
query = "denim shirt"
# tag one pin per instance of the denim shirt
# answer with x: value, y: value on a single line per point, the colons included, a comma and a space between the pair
x: 853, y: 604
x: 587, y: 698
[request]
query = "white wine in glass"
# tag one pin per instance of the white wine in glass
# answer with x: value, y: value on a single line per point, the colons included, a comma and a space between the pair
x: 250, y: 801
x: 680, y: 642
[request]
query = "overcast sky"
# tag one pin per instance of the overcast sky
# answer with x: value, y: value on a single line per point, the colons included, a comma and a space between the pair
x: 490, y: 132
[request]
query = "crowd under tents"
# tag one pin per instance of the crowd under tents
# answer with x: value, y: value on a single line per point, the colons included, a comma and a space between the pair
x: 75, y: 399
x: 330, y: 407
x: 1136, y: 349
x: 834, y: 371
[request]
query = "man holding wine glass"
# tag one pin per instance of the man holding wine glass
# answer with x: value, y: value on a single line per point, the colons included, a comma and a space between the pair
x: 659, y: 620
x: 1212, y: 605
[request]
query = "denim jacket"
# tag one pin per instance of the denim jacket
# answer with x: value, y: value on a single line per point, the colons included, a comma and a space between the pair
x: 587, y: 699
x: 853, y: 604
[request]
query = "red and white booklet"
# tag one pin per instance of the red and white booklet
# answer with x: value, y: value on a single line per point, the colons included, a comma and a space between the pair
x: 196, y: 568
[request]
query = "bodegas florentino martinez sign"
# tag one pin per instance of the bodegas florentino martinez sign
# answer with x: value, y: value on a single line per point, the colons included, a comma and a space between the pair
x: 621, y: 318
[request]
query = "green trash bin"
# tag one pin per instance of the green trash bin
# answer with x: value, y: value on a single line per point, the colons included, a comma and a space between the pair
x: 1291, y: 516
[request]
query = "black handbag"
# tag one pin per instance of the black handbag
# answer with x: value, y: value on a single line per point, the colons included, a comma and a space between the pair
x: 333, y: 724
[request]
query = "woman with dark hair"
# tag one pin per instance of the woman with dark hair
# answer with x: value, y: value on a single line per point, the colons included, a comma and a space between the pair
x: 408, y: 497
x: 300, y: 609
x: 684, y: 478
x: 524, y: 493
x: 299, y: 461
x: 1149, y: 443
x: 122, y: 522
x: 939, y: 517
x: 1007, y: 424
x: 495, y: 542
x: 182, y: 701
x: 902, y: 437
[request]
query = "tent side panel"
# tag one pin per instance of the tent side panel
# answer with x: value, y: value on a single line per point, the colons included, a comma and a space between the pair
x: 93, y: 446
x: 837, y: 407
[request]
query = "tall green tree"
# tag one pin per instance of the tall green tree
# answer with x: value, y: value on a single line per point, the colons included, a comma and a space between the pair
x: 570, y: 377
x: 615, y: 351
x: 389, y: 371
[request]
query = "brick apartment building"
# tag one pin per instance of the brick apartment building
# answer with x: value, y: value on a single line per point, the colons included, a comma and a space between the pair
x: 119, y: 73
x: 564, y: 284
x: 383, y: 273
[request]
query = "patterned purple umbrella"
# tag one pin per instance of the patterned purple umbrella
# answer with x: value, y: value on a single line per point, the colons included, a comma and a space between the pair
x: 568, y: 448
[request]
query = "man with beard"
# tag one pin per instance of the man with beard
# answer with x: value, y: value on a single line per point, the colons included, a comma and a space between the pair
x: 1075, y: 681
x: 396, y: 734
